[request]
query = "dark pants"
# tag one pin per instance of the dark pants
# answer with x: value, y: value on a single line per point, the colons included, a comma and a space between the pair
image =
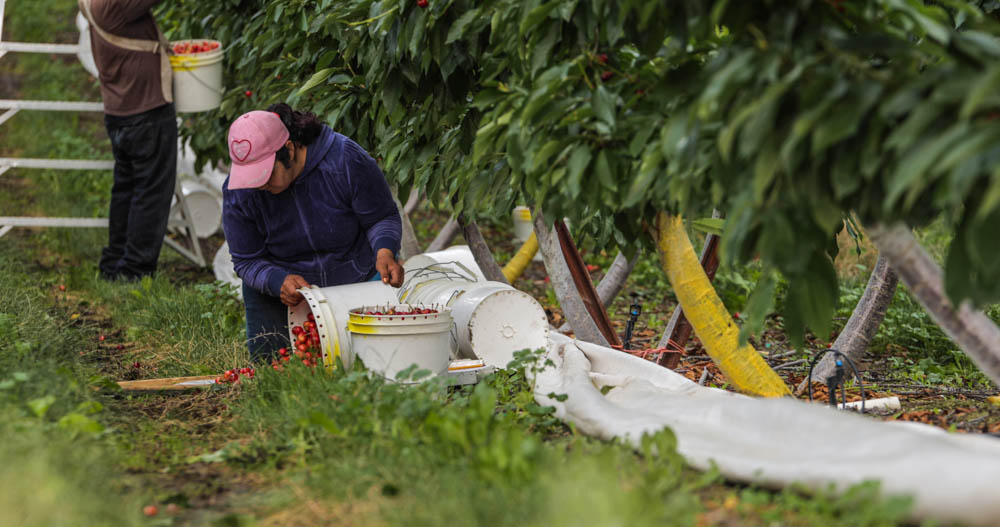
x: 145, y: 150
x: 267, y: 324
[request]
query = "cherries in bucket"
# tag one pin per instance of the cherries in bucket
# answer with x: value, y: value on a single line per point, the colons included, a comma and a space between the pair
x: 192, y: 47
x: 400, y: 310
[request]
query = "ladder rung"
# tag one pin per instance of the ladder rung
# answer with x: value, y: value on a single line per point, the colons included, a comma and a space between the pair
x: 28, y: 221
x: 37, y: 47
x: 59, y: 106
x: 56, y: 164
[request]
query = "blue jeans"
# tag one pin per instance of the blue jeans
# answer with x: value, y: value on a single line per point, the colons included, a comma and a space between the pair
x: 267, y: 325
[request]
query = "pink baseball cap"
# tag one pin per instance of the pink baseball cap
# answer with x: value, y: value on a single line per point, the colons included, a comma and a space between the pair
x: 254, y: 138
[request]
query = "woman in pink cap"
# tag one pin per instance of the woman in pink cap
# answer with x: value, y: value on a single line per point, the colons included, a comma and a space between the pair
x: 302, y: 205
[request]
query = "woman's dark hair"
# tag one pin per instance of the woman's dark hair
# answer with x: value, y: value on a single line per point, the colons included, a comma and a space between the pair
x: 303, y: 128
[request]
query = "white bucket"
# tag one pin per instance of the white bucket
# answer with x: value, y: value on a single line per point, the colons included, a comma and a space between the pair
x: 222, y: 267
x: 522, y: 223
x: 205, y: 206
x: 388, y: 344
x: 493, y: 320
x: 197, y: 78
x: 523, y: 227
x: 330, y: 306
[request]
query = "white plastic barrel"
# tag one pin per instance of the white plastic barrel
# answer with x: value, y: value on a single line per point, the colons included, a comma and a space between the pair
x: 493, y: 320
x: 222, y: 266
x: 197, y: 78
x: 330, y: 307
x: 466, y: 263
x: 388, y: 344
x: 205, y: 206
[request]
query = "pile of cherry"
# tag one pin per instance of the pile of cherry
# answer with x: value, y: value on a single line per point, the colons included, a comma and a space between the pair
x: 233, y: 376
x: 306, y: 346
x: 188, y: 48
x: 391, y: 310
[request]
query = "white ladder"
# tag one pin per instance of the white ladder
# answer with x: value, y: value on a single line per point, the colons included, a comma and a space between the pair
x: 10, y: 108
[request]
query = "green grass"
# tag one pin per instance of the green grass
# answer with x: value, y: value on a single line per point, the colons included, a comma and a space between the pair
x: 57, y: 463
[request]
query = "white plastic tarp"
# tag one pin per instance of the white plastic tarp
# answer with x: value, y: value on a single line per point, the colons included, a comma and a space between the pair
x: 773, y: 442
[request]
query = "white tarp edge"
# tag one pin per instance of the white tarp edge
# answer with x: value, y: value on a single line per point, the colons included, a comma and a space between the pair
x: 773, y: 442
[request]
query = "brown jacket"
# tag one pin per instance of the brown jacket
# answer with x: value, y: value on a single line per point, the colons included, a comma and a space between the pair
x: 130, y: 80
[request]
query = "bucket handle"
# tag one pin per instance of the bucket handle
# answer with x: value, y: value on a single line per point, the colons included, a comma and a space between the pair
x: 203, y: 83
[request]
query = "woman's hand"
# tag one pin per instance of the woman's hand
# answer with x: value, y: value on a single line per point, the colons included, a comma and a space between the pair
x: 290, y: 296
x: 389, y: 268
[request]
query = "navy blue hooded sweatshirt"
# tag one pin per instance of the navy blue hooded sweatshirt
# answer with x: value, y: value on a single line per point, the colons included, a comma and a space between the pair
x: 326, y: 226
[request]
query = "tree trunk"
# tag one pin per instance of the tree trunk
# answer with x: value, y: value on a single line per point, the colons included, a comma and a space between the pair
x: 447, y: 234
x: 412, y: 202
x: 408, y: 244
x: 572, y: 305
x: 864, y: 322
x: 612, y: 283
x: 973, y: 332
x: 481, y: 251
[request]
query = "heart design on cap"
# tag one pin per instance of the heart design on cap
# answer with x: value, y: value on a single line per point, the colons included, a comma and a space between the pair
x: 241, y: 149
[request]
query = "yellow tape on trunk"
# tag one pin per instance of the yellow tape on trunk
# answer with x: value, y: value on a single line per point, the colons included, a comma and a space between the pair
x: 742, y: 365
x: 516, y: 266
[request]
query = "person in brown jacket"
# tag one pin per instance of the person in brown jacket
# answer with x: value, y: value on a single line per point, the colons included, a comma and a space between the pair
x: 131, y: 58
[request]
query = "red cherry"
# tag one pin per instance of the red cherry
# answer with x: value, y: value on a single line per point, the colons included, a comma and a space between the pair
x: 62, y: 287
x: 296, y: 330
x: 150, y: 510
x: 310, y: 317
x: 248, y: 93
x: 101, y: 338
x: 603, y: 57
x: 422, y: 3
x: 607, y: 75
x: 137, y: 365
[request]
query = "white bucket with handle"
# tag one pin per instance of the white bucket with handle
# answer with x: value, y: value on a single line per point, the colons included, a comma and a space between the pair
x: 197, y: 77
x: 389, y: 339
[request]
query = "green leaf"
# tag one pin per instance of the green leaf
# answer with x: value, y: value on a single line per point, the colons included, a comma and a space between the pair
x: 811, y: 299
x: 911, y: 174
x: 603, y: 104
x: 709, y: 225
x: 80, y: 424
x: 758, y: 305
x: 536, y: 16
x: 90, y: 407
x: 40, y: 406
x: 457, y: 29
x: 315, y: 80
x: 577, y: 165
x: 605, y: 172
